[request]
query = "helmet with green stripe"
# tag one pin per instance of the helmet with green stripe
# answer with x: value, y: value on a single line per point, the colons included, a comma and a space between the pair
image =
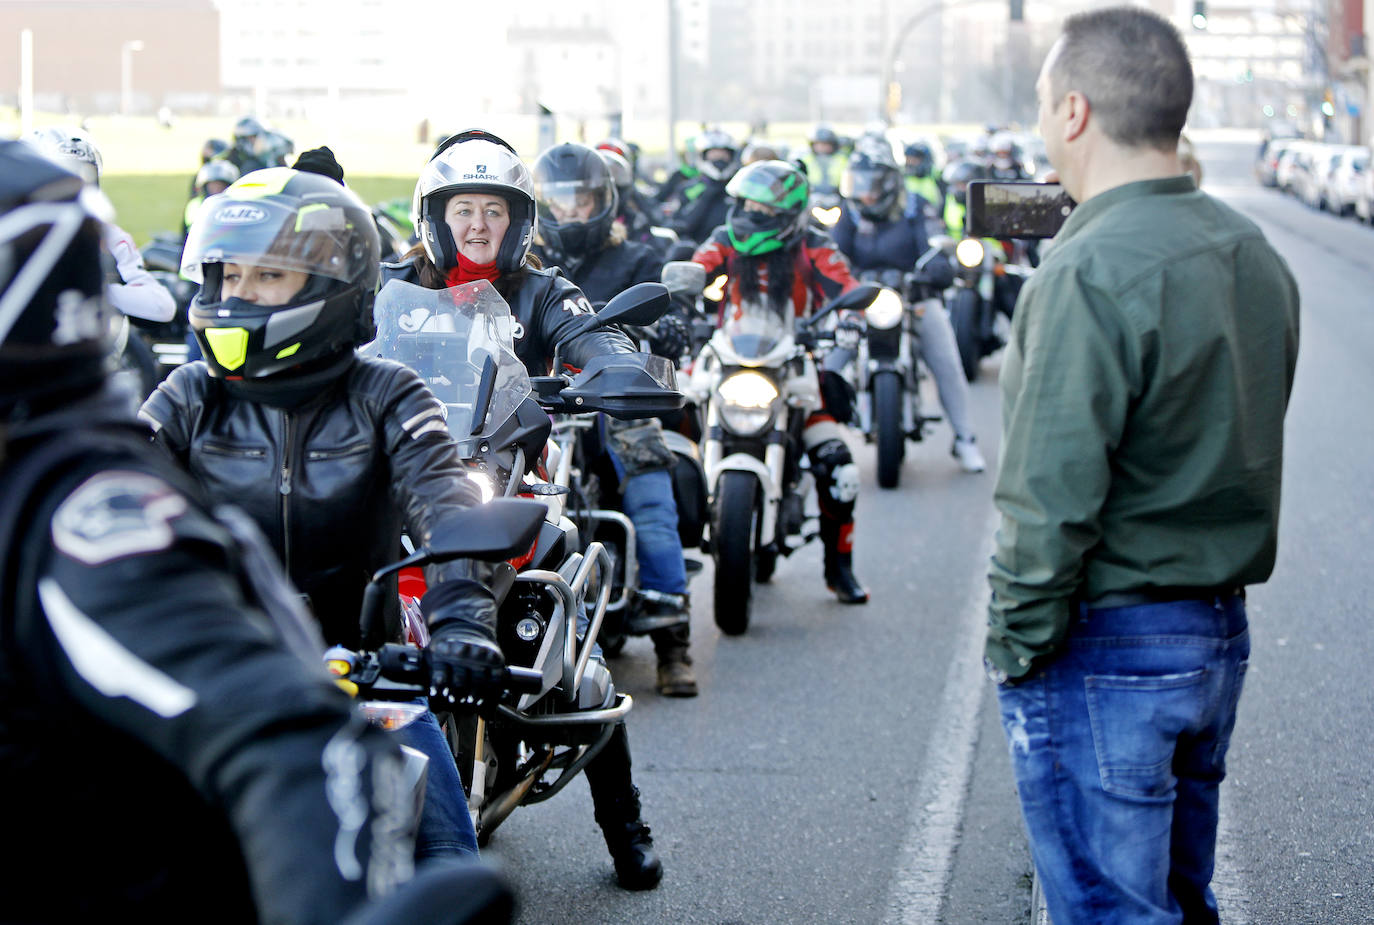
x: 288, y: 265
x: 779, y: 218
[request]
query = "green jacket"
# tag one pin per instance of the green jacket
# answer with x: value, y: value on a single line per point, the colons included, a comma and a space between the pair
x: 1143, y: 395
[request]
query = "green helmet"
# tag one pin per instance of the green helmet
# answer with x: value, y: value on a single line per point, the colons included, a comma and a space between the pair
x: 782, y: 188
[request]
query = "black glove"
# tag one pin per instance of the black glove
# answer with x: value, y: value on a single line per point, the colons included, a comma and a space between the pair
x: 464, y: 659
x: 462, y: 664
x: 671, y: 336
x: 321, y: 161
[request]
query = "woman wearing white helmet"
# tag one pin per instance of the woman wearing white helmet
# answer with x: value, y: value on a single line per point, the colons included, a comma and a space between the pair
x: 474, y: 208
x: 136, y: 294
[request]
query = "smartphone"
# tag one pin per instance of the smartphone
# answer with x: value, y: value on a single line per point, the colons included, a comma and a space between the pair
x: 1015, y: 209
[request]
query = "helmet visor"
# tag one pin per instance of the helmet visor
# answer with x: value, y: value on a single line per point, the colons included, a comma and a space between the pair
x: 568, y: 201
x: 314, y: 238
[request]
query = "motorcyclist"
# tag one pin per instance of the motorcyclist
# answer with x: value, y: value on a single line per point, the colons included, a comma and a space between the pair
x: 825, y: 162
x: 475, y: 211
x: 770, y: 255
x: 701, y: 204
x: 213, y: 178
x: 882, y: 227
x: 1006, y: 159
x: 253, y: 147
x: 331, y: 453
x: 133, y: 291
x: 920, y: 176
x: 668, y: 192
x: 212, y: 149
x: 575, y: 197
x: 170, y: 745
x: 956, y: 179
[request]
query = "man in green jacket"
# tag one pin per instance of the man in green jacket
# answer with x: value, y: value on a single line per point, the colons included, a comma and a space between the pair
x: 1144, y: 390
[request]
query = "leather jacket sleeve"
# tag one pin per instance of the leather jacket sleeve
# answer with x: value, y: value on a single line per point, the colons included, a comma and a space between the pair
x: 141, y: 624
x: 559, y: 315
x: 428, y: 483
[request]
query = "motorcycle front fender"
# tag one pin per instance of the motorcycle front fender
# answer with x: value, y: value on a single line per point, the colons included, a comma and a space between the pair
x: 769, y: 480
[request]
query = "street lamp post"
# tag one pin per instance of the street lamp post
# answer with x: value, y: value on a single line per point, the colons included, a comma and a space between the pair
x: 126, y: 74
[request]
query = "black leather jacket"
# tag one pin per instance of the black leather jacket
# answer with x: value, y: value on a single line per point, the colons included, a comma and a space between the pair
x: 332, y: 480
x: 547, y: 309
x: 166, y: 755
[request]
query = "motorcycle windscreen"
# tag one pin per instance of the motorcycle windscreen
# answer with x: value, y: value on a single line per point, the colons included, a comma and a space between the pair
x: 753, y: 328
x: 459, y: 341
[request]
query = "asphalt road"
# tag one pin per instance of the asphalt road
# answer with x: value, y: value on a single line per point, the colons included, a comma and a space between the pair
x: 845, y: 764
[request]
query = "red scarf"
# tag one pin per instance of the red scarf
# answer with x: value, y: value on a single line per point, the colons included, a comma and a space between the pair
x: 466, y: 271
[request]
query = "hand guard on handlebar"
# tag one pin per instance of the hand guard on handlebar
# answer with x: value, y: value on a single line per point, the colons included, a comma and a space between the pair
x: 670, y: 336
x: 849, y: 332
x: 462, y: 664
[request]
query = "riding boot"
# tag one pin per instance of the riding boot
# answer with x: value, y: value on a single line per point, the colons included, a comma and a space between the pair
x: 839, y: 562
x: 675, y: 676
x: 616, y: 800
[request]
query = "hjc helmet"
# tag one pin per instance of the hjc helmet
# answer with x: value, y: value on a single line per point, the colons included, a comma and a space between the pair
x: 714, y: 165
x: 958, y: 175
x: 872, y: 181
x: 772, y: 183
x: 474, y: 161
x: 69, y: 148
x: 218, y: 171
x: 55, y: 331
x: 287, y: 220
x: 924, y: 158
x: 569, y: 178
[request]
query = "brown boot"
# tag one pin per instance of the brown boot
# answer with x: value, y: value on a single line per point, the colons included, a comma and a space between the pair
x: 675, y: 675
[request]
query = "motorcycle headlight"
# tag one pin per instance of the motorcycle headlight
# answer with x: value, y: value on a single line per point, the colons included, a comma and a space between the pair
x: 885, y: 312
x: 969, y: 252
x: 746, y: 403
x: 827, y: 217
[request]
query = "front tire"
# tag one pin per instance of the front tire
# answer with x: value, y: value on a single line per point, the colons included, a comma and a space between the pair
x: 963, y: 317
x: 733, y: 539
x: 887, y: 423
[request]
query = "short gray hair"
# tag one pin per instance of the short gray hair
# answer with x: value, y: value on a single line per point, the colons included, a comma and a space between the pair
x: 1133, y: 67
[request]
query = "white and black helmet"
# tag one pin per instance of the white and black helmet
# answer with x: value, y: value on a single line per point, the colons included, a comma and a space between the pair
x: 474, y: 161
x: 69, y: 148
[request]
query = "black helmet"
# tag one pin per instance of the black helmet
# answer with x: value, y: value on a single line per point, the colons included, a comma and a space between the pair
x: 872, y: 182
x: 54, y: 324
x: 924, y: 159
x: 824, y: 134
x: 958, y: 175
x: 576, y: 199
x: 282, y: 219
x: 783, y: 189
x: 474, y: 161
x: 246, y: 128
x: 212, y: 148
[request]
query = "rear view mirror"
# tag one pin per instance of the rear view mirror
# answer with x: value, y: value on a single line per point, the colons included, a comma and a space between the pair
x: 642, y: 304
x: 684, y: 277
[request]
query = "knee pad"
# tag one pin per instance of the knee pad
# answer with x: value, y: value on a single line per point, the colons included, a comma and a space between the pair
x: 835, y: 470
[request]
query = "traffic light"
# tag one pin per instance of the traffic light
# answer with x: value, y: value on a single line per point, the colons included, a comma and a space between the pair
x: 1018, y: 10
x: 1199, y: 14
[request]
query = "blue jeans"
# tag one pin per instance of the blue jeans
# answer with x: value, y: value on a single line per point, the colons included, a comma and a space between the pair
x: 445, y: 826
x: 648, y: 501
x: 1118, y: 748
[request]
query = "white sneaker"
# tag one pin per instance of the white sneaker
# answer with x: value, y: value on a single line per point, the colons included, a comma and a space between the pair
x: 966, y: 451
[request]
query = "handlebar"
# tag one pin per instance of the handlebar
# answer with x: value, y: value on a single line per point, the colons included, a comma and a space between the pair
x: 401, y: 672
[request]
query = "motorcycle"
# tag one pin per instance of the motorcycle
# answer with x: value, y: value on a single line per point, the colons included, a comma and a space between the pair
x: 167, y: 341
x: 758, y: 384
x: 525, y: 746
x: 887, y: 369
x: 985, y: 287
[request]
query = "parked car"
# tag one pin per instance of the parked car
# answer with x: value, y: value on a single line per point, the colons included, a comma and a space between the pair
x: 1267, y: 162
x: 1364, y: 201
x: 1293, y: 159
x: 1346, y: 179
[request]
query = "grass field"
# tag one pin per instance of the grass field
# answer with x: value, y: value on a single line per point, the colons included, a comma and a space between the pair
x: 149, y: 203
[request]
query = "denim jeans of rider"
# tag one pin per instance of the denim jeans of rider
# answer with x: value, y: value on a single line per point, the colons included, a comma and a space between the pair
x: 647, y: 498
x: 1118, y: 749
x: 445, y: 825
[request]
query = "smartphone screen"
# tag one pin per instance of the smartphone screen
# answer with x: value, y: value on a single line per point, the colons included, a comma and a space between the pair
x: 1016, y: 209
